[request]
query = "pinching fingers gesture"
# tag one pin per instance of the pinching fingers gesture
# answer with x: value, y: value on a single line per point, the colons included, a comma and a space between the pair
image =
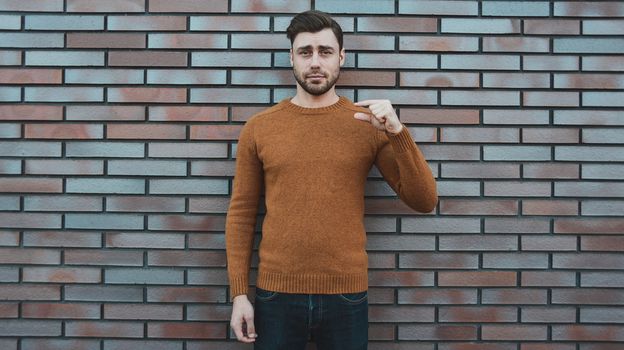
x: 382, y: 115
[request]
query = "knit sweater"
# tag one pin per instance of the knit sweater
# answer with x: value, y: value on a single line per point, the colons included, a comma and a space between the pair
x: 312, y: 164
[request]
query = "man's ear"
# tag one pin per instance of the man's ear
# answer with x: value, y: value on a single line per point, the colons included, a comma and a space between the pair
x: 343, y: 56
x: 290, y: 55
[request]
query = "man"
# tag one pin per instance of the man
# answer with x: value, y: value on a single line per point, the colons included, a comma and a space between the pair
x: 311, y: 154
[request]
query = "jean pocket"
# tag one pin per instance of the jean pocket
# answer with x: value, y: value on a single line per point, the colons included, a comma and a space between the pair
x: 265, y: 295
x: 354, y: 298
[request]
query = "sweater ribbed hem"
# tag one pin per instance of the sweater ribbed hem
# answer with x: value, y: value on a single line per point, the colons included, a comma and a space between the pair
x: 402, y: 141
x: 238, y: 285
x: 313, y: 284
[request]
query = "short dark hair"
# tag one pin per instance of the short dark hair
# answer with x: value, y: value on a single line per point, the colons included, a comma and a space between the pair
x: 313, y: 21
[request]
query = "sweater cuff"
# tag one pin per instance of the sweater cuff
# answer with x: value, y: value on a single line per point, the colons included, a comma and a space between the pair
x: 238, y: 286
x: 402, y: 141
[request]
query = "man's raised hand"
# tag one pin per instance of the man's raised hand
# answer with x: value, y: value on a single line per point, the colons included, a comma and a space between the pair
x: 382, y: 115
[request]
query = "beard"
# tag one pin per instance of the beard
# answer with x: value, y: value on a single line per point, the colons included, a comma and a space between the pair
x: 316, y: 89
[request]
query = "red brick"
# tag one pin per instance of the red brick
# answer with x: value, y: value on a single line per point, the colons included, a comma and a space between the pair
x: 478, y: 207
x: 397, y: 24
x: 145, y: 240
x: 515, y: 44
x: 61, y: 310
x: 62, y: 239
x: 154, y: 95
x: 437, y: 296
x: 30, y: 185
x: 186, y: 258
x: 516, y: 80
x: 550, y: 135
x: 479, y: 170
x: 208, y: 205
x: 187, y: 41
x: 552, y: 26
x: 589, y: 81
x: 104, y: 329
x: 401, y: 278
x: 548, y: 279
x: 437, y: 43
x: 30, y: 220
x: 192, y: 6
x: 30, y: 76
x: 30, y: 292
x: 142, y: 312
x: 32, y: 5
x: 258, y: 41
x: 145, y: 131
x: 145, y: 23
x: 402, y: 314
x: 438, y: 116
x: 105, y: 40
x: 64, y: 167
x: 550, y: 171
x: 587, y: 333
x: 147, y: 58
x: 589, y: 226
x: 589, y: 9
x: 364, y: 42
x: 144, y: 204
x: 514, y: 332
x: 102, y: 112
x: 516, y: 189
x: 186, y: 294
x: 606, y: 243
x: 439, y: 79
x: 30, y: 112
x: 188, y: 113
x: 549, y: 207
x: 8, y: 310
x: 108, y: 6
x: 492, y: 314
x: 106, y: 257
x: 63, y: 131
x: 62, y: 275
x: 437, y: 332
x: 512, y: 296
x: 477, y: 278
x: 185, y: 330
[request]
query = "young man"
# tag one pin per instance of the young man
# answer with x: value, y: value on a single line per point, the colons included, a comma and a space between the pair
x: 311, y: 154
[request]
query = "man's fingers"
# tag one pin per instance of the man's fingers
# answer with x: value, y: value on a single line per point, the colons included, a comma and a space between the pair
x: 238, y: 330
x: 251, y: 328
x: 362, y: 116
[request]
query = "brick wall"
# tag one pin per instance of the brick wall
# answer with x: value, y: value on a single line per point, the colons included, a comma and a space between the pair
x: 118, y: 129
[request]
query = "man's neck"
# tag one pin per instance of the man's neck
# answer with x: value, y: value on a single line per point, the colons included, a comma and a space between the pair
x: 304, y: 99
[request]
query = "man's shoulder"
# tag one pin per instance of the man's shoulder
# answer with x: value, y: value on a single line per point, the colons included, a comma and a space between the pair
x: 275, y: 109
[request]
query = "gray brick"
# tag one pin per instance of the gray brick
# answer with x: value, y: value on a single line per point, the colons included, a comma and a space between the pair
x: 10, y: 58
x: 516, y: 153
x: 64, y: 58
x: 10, y: 22
x: 105, y: 185
x: 515, y: 8
x: 603, y: 171
x: 588, y: 45
x: 10, y: 94
x: 480, y: 25
x: 143, y: 276
x: 355, y: 6
x: 590, y: 153
x: 25, y: 40
x: 182, y: 186
x: 30, y: 328
x: 104, y: 221
x: 30, y: 149
x: 105, y: 149
x: 481, y: 62
x: 64, y: 22
x: 231, y: 59
x: 188, y: 150
x: 461, y: 8
x: 603, y: 98
x: 147, y: 167
x: 9, y: 203
x: 103, y: 76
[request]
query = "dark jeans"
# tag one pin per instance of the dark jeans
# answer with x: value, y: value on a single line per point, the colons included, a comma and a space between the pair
x: 286, y: 321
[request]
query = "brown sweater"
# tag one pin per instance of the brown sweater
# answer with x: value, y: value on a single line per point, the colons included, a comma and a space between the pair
x: 312, y: 164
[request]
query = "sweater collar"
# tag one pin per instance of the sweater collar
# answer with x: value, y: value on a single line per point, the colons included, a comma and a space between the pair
x: 341, y: 103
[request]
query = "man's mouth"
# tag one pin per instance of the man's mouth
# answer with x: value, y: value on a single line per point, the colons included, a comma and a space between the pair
x: 315, y: 76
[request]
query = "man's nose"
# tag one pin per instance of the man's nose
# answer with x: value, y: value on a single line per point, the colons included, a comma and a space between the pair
x: 315, y: 59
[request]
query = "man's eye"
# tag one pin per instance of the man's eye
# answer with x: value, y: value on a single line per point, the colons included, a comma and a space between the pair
x: 305, y: 53
x: 326, y: 52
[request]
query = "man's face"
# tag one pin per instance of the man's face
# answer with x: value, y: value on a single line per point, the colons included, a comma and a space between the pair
x: 316, y: 61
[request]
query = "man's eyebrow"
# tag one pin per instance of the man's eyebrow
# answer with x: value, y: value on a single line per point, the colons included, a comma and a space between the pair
x: 320, y: 47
